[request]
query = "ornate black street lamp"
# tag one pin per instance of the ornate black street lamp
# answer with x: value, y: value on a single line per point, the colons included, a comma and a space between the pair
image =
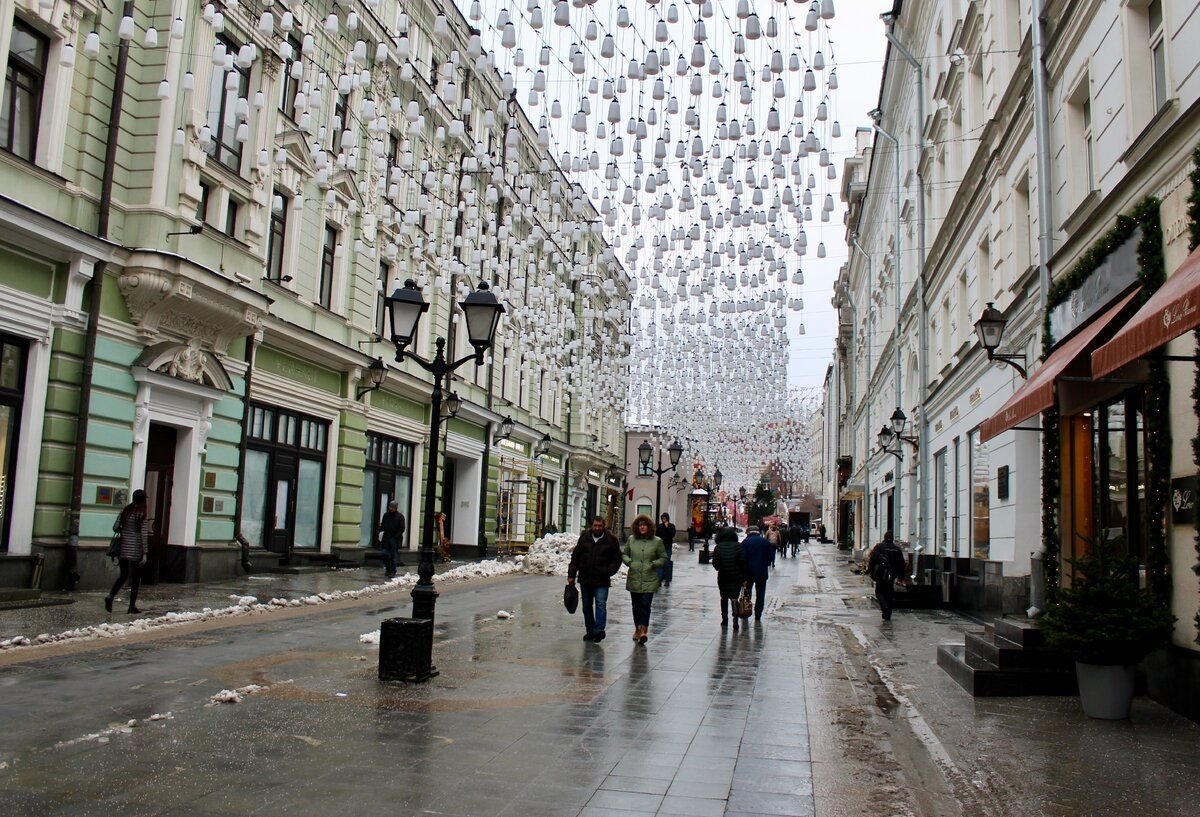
x: 482, y: 312
x: 990, y: 331
x: 891, y: 436
x: 645, y: 450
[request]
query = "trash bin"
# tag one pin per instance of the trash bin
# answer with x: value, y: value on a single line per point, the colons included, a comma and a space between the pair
x: 406, y: 650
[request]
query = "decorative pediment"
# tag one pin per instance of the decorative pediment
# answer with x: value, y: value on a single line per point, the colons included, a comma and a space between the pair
x: 294, y: 142
x: 173, y: 299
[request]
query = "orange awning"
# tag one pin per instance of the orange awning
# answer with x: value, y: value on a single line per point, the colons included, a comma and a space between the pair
x: 1171, y: 311
x: 1037, y: 393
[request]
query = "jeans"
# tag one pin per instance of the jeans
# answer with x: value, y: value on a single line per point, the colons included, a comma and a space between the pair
x: 129, y: 568
x: 641, y: 608
x: 760, y: 594
x: 595, y: 607
x: 390, y: 546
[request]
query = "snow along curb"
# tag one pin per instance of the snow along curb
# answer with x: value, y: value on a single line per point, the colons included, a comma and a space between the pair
x: 248, y: 605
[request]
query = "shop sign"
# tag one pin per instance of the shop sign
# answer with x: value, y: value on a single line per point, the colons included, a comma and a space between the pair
x: 514, y: 446
x: 593, y: 474
x: 1183, y: 500
x: 1116, y: 274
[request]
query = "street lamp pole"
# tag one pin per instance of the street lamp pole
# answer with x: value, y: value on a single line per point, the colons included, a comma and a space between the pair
x: 674, y: 452
x: 405, y: 307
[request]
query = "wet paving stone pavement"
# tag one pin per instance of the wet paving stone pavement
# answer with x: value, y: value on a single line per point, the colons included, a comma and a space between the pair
x: 804, y: 714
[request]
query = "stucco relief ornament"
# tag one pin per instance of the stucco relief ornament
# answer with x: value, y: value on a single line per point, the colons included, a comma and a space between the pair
x: 187, y: 364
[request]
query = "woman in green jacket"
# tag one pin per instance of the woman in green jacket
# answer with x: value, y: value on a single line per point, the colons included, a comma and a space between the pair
x: 644, y: 554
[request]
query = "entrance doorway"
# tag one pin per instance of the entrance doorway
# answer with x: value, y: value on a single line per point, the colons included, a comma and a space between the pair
x: 160, y: 483
x: 12, y: 387
x: 890, y: 515
x: 449, y: 478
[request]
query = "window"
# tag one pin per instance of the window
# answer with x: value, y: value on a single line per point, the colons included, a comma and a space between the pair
x: 983, y: 259
x: 341, y: 121
x: 644, y: 469
x: 293, y: 73
x: 231, y: 217
x: 1081, y: 145
x: 1158, y: 52
x: 202, y: 207
x: 388, y: 477
x: 1022, y: 230
x: 226, y: 88
x: 325, y: 281
x: 283, y: 487
x: 276, y: 238
x: 24, y: 81
x: 12, y: 389
x: 981, y: 514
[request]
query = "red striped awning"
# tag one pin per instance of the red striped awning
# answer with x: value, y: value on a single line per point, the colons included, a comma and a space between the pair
x: 1171, y: 311
x: 1037, y: 393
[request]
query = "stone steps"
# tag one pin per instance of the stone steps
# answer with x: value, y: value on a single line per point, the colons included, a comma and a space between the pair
x: 1008, y: 658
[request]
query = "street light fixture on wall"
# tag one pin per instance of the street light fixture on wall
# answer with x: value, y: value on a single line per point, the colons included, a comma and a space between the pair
x: 376, y: 373
x: 505, y: 429
x: 543, y: 446
x: 891, y: 436
x: 482, y: 312
x: 990, y: 330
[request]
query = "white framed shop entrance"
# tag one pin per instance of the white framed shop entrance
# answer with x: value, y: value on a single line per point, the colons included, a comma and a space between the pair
x: 462, y: 475
x: 188, y: 408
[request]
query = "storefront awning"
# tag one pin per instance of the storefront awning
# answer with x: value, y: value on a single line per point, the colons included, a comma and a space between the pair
x: 1171, y: 311
x: 1037, y: 393
x: 853, y: 490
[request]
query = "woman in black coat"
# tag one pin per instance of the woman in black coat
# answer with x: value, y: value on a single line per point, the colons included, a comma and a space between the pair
x: 134, y: 530
x: 730, y: 564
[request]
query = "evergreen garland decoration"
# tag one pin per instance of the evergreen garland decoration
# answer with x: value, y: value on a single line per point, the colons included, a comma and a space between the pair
x: 1193, y: 243
x: 1151, y: 274
x: 1051, y: 495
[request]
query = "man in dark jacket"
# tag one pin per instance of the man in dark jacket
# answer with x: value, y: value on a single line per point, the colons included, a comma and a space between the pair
x: 885, y: 566
x: 595, y: 560
x: 760, y: 558
x: 391, y: 530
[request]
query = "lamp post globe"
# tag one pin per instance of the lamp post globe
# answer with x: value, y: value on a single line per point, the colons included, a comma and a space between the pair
x: 886, y: 437
x: 405, y: 307
x: 675, y: 451
x: 645, y: 450
x: 899, y: 422
x: 482, y: 312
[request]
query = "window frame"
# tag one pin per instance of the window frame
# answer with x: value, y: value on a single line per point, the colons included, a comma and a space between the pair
x: 290, y: 86
x: 277, y: 240
x: 16, y: 68
x: 230, y: 154
x: 328, y: 266
x: 1157, y: 45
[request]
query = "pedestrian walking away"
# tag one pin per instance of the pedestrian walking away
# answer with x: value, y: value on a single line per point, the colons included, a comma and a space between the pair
x: 643, y: 555
x: 885, y: 566
x: 594, y: 561
x: 133, y: 527
x: 760, y: 558
x: 777, y: 539
x: 666, y: 532
x: 730, y: 565
x: 795, y: 535
x: 391, y: 529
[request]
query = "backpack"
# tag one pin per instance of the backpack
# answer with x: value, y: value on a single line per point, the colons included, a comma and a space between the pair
x: 882, y: 572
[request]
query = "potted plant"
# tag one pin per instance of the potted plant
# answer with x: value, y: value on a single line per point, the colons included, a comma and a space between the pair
x: 1107, y: 623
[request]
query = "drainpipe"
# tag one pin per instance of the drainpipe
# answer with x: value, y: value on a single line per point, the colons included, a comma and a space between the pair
x: 1041, y: 128
x: 898, y: 505
x: 923, y: 322
x: 866, y: 543
x: 238, y: 536
x: 94, y: 301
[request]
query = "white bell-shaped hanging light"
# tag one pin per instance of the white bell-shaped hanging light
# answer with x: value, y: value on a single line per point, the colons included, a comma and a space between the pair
x: 826, y: 9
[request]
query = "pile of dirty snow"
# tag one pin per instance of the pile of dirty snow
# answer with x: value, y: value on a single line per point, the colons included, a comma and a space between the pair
x: 551, y: 554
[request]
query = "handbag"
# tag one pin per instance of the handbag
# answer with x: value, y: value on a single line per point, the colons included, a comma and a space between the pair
x: 743, y: 607
x: 114, y: 547
x: 571, y: 598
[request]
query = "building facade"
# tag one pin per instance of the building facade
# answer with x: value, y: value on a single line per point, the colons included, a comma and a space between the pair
x: 959, y: 201
x: 203, y: 206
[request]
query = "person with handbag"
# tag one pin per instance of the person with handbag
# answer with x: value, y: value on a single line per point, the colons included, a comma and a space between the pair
x: 391, y: 529
x: 644, y: 554
x: 133, y: 529
x: 594, y: 561
x: 730, y: 565
x: 760, y: 558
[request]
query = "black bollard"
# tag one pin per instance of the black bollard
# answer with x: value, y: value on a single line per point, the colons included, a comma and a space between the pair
x: 406, y: 650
